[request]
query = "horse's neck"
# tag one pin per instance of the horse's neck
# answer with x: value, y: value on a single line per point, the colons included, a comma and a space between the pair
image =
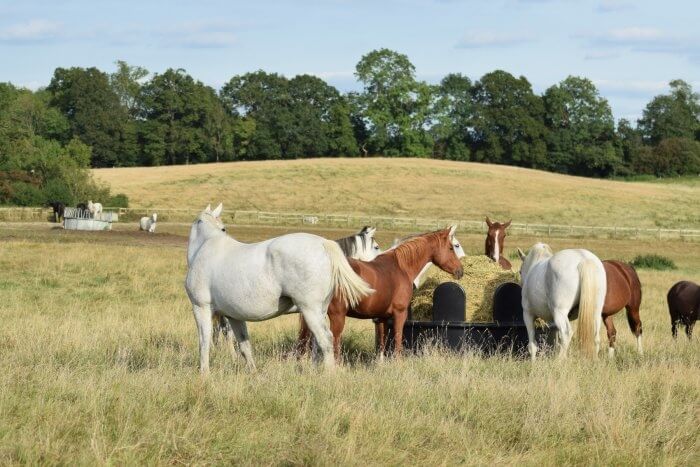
x: 198, y: 236
x: 422, y: 261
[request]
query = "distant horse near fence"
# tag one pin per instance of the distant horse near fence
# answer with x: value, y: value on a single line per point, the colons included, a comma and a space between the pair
x: 58, y: 210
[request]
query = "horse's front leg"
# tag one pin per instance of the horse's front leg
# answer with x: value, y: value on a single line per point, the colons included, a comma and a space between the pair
x: 304, y: 339
x: 203, y: 318
x: 399, y: 320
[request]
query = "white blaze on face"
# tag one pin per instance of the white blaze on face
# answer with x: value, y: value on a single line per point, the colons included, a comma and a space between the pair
x: 496, y: 254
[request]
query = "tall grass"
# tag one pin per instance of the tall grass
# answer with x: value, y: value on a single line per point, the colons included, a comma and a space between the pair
x: 99, y: 365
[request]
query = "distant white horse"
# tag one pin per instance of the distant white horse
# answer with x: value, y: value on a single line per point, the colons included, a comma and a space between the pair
x: 555, y: 284
x: 94, y: 208
x: 258, y: 281
x: 148, y: 223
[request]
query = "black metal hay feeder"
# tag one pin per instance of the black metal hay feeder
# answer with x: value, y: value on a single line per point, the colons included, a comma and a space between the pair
x: 507, y: 333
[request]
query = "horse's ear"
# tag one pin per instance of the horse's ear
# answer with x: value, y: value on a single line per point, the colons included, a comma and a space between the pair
x: 371, y: 231
x: 507, y: 224
x: 208, y: 209
x: 521, y: 254
x: 453, y: 229
x: 217, y: 211
x: 488, y: 221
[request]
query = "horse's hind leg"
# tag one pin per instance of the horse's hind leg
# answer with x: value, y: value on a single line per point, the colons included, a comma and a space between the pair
x: 240, y: 331
x: 689, y: 329
x: 561, y: 320
x: 316, y: 321
x: 530, y: 326
x: 635, y: 323
x: 612, y: 334
x: 203, y: 318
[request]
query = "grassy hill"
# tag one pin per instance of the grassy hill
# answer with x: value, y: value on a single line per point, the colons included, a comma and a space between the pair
x: 411, y: 188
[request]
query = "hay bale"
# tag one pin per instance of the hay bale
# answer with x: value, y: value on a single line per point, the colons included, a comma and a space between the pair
x: 481, y: 278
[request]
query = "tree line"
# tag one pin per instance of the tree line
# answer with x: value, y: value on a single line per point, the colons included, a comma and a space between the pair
x: 88, y: 118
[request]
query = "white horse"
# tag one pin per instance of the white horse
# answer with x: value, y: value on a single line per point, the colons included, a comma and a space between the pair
x: 555, y: 284
x: 148, y: 223
x: 361, y: 246
x: 258, y: 281
x: 94, y: 208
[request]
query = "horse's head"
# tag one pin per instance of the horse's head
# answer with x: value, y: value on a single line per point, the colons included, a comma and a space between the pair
x: 448, y: 251
x: 539, y: 252
x: 210, y: 219
x: 495, y: 239
x: 154, y: 217
x: 366, y: 246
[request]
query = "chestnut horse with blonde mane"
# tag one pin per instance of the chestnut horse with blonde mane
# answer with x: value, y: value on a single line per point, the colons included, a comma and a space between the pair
x: 624, y: 290
x: 493, y: 246
x: 391, y: 275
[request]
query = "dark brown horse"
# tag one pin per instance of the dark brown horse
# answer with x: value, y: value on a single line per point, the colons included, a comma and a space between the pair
x: 623, y: 291
x: 494, y: 242
x: 391, y: 275
x: 684, y: 306
x: 58, y: 210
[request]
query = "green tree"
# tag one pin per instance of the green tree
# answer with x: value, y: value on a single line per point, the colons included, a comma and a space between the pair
x: 395, y: 108
x: 126, y: 83
x: 581, y: 132
x: 184, y: 121
x: 95, y: 114
x: 673, y: 115
x: 508, y: 126
x: 453, y: 118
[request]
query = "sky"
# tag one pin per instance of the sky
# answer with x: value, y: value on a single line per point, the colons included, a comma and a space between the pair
x: 629, y: 49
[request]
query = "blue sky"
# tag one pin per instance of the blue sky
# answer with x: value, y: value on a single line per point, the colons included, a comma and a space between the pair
x: 630, y: 49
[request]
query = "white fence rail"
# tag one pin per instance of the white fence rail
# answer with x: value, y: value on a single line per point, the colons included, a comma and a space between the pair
x: 383, y: 222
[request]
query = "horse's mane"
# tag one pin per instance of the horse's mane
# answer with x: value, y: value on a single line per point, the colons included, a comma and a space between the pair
x: 407, y: 252
x: 535, y: 255
x: 348, y: 245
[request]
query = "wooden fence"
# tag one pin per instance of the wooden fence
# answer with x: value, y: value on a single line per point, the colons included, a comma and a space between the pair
x: 357, y: 221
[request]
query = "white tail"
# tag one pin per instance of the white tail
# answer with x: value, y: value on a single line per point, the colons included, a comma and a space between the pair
x: 346, y: 283
x: 588, y: 307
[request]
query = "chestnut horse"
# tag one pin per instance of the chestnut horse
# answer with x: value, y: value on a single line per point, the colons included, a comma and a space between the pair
x: 391, y: 275
x: 494, y: 243
x: 684, y: 306
x: 623, y: 291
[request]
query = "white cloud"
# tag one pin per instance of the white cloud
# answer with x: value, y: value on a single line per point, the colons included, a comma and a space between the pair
x: 34, y: 30
x: 478, y: 40
x: 643, y: 40
x: 614, y: 6
x: 601, y: 55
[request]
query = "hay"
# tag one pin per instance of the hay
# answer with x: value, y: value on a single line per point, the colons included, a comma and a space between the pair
x: 481, y: 278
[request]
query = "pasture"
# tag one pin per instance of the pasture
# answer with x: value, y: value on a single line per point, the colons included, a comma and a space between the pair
x: 99, y: 360
x: 438, y: 190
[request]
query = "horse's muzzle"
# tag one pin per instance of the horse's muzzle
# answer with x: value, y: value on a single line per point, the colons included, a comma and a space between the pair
x: 458, y: 273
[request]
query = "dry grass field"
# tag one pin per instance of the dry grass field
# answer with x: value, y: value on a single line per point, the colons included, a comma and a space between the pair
x: 98, y: 357
x: 412, y: 188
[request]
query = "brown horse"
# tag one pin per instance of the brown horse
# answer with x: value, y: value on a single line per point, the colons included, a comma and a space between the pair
x: 684, y: 306
x: 494, y: 243
x: 623, y: 291
x: 391, y: 275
